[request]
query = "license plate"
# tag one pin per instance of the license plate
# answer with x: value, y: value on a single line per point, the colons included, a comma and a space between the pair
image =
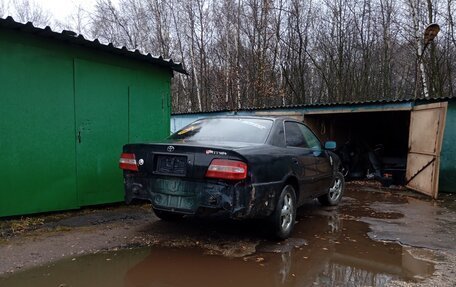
x: 171, y: 165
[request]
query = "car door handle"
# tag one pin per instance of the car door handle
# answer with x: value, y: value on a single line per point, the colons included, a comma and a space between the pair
x: 295, y: 161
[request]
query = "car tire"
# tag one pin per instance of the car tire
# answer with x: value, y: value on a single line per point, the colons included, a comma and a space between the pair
x: 335, y: 192
x: 167, y: 215
x: 284, y: 215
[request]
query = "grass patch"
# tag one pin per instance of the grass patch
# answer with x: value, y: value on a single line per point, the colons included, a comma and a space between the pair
x: 18, y: 226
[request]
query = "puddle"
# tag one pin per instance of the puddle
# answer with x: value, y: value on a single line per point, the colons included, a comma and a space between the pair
x: 422, y: 223
x: 334, y: 265
x: 327, y: 249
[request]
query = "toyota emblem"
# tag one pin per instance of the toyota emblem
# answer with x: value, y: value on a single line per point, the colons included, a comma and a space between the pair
x: 170, y: 148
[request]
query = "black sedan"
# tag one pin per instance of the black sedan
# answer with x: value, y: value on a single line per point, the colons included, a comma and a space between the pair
x: 239, y: 167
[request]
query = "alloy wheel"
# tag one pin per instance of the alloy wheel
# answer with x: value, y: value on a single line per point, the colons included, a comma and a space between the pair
x: 286, y: 214
x: 336, y: 189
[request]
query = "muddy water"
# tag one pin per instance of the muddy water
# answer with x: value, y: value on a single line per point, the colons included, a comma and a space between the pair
x: 329, y: 248
x: 329, y: 266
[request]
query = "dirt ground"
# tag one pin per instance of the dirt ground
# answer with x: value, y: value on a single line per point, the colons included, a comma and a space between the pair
x: 368, y: 215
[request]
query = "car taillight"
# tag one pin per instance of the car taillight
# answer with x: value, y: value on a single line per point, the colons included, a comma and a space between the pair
x: 227, y: 169
x: 128, y: 161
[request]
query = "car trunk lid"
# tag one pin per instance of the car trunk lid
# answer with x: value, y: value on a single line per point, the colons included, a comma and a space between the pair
x: 178, y: 160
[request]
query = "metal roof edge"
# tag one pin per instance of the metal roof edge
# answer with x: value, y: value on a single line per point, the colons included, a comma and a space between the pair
x: 322, y: 105
x: 78, y: 39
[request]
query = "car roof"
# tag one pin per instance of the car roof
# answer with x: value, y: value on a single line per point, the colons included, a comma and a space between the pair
x: 272, y: 118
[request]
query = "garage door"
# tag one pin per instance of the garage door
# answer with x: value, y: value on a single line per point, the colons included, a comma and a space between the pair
x: 101, y: 104
x: 427, y: 124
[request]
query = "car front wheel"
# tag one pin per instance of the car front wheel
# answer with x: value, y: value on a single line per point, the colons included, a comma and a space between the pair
x: 283, y: 217
x: 334, y: 195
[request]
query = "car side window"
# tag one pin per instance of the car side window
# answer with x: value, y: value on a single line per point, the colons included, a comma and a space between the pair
x: 311, y: 139
x: 294, y: 136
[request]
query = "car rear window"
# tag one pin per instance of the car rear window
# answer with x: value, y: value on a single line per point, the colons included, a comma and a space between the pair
x: 226, y: 130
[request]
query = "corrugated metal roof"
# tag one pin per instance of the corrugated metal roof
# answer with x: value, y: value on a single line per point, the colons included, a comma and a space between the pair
x: 74, y: 38
x: 325, y: 104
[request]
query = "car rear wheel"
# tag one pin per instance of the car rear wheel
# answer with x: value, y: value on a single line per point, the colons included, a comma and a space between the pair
x: 167, y: 215
x: 334, y: 195
x: 283, y: 217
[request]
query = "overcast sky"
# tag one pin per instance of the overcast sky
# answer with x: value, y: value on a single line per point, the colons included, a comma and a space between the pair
x: 60, y: 9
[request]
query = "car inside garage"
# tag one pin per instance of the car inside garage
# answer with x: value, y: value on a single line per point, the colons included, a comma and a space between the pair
x: 368, y: 143
x: 394, y: 145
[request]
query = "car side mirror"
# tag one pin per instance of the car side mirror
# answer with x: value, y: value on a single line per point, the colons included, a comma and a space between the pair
x: 330, y: 145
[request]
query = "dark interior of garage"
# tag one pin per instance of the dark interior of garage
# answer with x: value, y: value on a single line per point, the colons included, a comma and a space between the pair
x: 372, y: 145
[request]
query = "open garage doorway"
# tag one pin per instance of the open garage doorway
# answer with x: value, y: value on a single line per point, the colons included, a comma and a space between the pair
x: 396, y: 147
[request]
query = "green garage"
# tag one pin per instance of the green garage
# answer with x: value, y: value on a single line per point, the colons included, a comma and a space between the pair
x: 67, y: 105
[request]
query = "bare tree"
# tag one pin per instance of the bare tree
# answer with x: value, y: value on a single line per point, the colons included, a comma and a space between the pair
x: 30, y: 11
x: 2, y: 8
x: 78, y: 22
x: 179, y: 87
x: 254, y: 53
x: 450, y: 46
x: 191, y: 14
x: 386, y: 17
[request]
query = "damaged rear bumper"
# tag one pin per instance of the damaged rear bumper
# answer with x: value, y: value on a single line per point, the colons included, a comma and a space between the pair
x: 234, y: 200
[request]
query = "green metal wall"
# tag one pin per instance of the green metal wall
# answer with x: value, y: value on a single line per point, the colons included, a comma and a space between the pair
x: 447, y: 180
x: 65, y: 112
